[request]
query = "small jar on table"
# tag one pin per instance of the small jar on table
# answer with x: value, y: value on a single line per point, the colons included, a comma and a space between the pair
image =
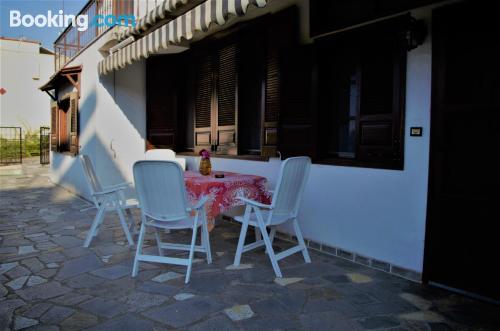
x: 205, y: 165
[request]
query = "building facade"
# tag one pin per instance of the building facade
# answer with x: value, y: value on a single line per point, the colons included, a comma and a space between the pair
x: 353, y: 84
x: 24, y: 66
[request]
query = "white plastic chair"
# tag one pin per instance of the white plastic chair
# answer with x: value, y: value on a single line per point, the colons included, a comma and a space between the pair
x: 109, y: 198
x: 162, y: 196
x: 165, y: 155
x: 284, y: 207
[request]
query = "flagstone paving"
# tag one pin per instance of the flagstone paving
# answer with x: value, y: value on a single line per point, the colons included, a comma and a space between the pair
x: 50, y: 282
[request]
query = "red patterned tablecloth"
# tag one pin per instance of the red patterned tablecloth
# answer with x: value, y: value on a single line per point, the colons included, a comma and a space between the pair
x: 223, y: 191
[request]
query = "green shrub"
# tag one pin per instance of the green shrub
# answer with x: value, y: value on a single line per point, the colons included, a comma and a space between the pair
x: 31, y: 143
x: 9, y: 148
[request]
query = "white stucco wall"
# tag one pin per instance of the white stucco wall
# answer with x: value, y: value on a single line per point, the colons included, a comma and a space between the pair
x: 22, y: 71
x: 373, y: 212
x: 112, y: 123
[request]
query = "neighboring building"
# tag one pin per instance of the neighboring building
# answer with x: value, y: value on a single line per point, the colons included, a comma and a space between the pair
x: 24, y: 66
x: 350, y: 83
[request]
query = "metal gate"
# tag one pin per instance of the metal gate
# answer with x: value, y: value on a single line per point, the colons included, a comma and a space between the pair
x: 44, y: 145
x: 11, y: 145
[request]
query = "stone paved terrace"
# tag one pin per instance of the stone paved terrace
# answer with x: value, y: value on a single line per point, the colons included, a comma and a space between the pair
x: 49, y: 282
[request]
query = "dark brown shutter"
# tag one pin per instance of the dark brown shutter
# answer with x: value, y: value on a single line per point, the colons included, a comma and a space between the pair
x: 297, y: 128
x: 161, y: 111
x: 380, y: 127
x: 203, y: 103
x: 272, y: 103
x: 227, y: 109
x: 54, y: 129
x: 73, y: 129
x: 282, y: 33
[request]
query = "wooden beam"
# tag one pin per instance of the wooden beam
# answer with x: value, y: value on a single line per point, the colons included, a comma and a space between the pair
x: 51, y: 96
x: 71, y: 80
x: 76, y: 83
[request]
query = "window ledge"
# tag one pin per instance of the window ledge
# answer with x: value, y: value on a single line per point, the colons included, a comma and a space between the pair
x: 360, y: 164
x: 234, y: 157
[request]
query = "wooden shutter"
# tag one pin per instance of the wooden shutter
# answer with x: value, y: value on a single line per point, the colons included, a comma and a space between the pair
x: 227, y: 100
x: 203, y: 103
x: 380, y: 126
x: 162, y: 102
x: 54, y: 112
x: 282, y: 32
x: 251, y: 89
x: 272, y: 102
x: 73, y: 127
x: 297, y: 127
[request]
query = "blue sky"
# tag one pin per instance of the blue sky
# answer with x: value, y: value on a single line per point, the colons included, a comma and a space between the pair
x: 45, y: 35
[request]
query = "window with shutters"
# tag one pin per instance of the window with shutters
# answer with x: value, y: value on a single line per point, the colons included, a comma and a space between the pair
x: 361, y: 79
x: 238, y: 87
x: 64, y: 124
x: 73, y: 128
x: 225, y: 93
x: 272, y: 92
x: 226, y: 104
x: 64, y: 119
x: 54, y: 132
x: 252, y: 52
x: 162, y: 113
x: 216, y: 105
x: 204, y: 102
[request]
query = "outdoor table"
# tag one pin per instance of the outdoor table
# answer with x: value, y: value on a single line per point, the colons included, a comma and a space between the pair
x: 223, y: 192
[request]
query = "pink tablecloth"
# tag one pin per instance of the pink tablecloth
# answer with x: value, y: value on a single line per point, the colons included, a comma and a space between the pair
x: 223, y: 191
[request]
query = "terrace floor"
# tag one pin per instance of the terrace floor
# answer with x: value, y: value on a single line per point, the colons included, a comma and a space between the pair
x: 50, y: 282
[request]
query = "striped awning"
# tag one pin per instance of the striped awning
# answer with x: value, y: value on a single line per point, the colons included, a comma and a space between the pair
x: 183, y: 27
x: 152, y: 17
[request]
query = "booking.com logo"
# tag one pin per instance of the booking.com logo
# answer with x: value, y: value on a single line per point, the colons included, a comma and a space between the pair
x: 61, y: 20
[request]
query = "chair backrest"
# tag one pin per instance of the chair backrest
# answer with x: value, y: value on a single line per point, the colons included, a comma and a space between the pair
x: 161, y: 189
x: 164, y: 155
x: 290, y: 186
x: 160, y: 154
x: 89, y: 174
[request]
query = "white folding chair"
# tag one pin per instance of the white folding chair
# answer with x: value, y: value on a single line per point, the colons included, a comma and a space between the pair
x: 162, y: 196
x: 161, y: 154
x: 284, y: 207
x: 165, y: 155
x: 109, y: 198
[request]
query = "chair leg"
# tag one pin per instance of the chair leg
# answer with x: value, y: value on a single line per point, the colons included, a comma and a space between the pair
x: 122, y: 202
x: 130, y: 221
x: 258, y: 235
x: 269, y: 245
x: 97, y: 228
x: 206, y: 238
x: 124, y: 224
x: 300, y: 239
x: 138, y: 251
x: 272, y: 234
x: 95, y: 224
x: 158, y: 242
x: 243, y: 234
x: 99, y: 224
x: 191, y: 251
